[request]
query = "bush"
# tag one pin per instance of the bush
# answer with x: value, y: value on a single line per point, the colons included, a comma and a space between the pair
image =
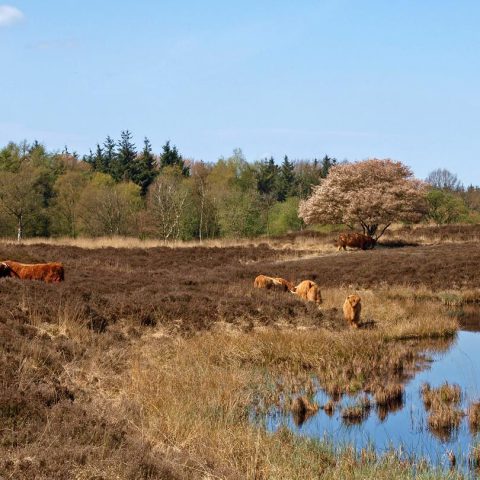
x: 284, y: 217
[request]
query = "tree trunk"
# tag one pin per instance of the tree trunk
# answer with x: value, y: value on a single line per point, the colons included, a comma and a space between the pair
x: 20, y: 229
x: 370, y: 230
x: 201, y: 212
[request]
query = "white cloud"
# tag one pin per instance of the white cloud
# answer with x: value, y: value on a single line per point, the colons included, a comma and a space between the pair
x: 9, y: 15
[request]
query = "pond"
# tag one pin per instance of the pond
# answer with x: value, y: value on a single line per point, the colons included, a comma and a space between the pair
x: 404, y: 424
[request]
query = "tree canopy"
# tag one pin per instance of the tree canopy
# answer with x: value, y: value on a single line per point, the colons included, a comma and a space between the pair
x: 371, y: 193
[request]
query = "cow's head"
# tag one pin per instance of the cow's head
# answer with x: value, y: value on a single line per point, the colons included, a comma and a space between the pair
x: 354, y: 300
x: 5, y: 270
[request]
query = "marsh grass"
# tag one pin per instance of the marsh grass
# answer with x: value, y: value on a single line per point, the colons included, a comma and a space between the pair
x: 445, y: 394
x: 199, y: 393
x: 183, y: 395
x: 388, y: 394
x: 474, y: 417
x: 358, y: 412
x: 441, y: 403
x: 443, y: 420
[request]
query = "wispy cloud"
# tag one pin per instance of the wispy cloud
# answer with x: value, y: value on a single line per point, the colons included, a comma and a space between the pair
x: 63, y: 43
x: 9, y: 15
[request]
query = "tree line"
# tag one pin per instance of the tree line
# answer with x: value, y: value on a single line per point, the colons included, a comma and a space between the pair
x: 117, y: 189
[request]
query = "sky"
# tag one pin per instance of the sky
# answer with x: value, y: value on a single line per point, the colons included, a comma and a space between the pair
x: 352, y: 79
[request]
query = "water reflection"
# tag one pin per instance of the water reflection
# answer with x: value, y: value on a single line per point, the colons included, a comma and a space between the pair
x: 468, y: 316
x: 402, y: 420
x: 390, y: 407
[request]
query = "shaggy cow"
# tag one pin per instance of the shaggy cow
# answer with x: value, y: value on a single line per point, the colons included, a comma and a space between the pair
x: 355, y: 240
x: 46, y: 272
x: 276, y: 283
x: 351, y: 310
x: 309, y: 291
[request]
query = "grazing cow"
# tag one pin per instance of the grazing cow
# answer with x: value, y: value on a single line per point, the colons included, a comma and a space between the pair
x: 309, y: 291
x: 355, y: 240
x: 352, y: 309
x: 276, y: 283
x: 46, y: 272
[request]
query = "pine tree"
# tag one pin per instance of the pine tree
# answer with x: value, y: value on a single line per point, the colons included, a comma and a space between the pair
x: 286, y: 180
x: 125, y: 158
x: 327, y: 164
x: 89, y: 159
x: 109, y: 156
x: 98, y: 160
x: 146, y: 169
x: 171, y: 158
x: 267, y: 177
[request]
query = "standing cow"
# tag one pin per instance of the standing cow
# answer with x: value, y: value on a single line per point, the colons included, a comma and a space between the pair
x: 355, y: 240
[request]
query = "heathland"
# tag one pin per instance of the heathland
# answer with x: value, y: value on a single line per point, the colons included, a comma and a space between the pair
x: 152, y: 362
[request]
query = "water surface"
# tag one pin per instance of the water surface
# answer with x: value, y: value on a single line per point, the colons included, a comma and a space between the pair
x: 404, y: 426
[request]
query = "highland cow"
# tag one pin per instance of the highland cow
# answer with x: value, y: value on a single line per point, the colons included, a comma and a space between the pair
x: 352, y: 309
x: 46, y: 272
x: 276, y: 283
x: 355, y: 240
x: 309, y: 291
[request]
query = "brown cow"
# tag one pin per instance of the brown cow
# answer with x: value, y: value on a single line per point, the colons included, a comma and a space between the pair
x: 355, y: 240
x: 276, y: 283
x: 352, y: 309
x: 46, y: 272
x: 309, y: 291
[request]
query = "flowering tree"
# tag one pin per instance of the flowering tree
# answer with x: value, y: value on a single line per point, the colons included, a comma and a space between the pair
x: 372, y: 193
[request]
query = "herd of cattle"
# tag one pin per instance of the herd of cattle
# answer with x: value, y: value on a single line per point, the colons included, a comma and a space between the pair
x: 310, y: 291
x: 53, y: 272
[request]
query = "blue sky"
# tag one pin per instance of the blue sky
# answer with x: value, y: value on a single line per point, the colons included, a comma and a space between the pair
x: 353, y: 79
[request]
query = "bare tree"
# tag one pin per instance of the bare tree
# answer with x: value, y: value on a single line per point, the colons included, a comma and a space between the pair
x: 199, y: 173
x: 443, y: 179
x: 20, y: 197
x: 109, y: 209
x: 373, y: 194
x: 68, y: 188
x: 166, y: 201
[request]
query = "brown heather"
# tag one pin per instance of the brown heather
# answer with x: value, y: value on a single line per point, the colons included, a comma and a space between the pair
x: 148, y: 363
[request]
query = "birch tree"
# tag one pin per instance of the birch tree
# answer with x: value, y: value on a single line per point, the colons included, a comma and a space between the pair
x: 167, y: 201
x: 20, y: 196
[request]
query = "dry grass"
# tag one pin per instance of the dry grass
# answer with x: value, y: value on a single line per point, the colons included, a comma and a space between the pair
x: 329, y: 408
x: 474, y: 458
x: 446, y: 394
x: 319, y: 240
x: 303, y: 243
x: 441, y: 403
x: 443, y: 420
x: 233, y: 372
x: 474, y: 417
x: 150, y: 364
x: 198, y: 392
x: 390, y: 393
x: 357, y: 413
x: 432, y: 234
